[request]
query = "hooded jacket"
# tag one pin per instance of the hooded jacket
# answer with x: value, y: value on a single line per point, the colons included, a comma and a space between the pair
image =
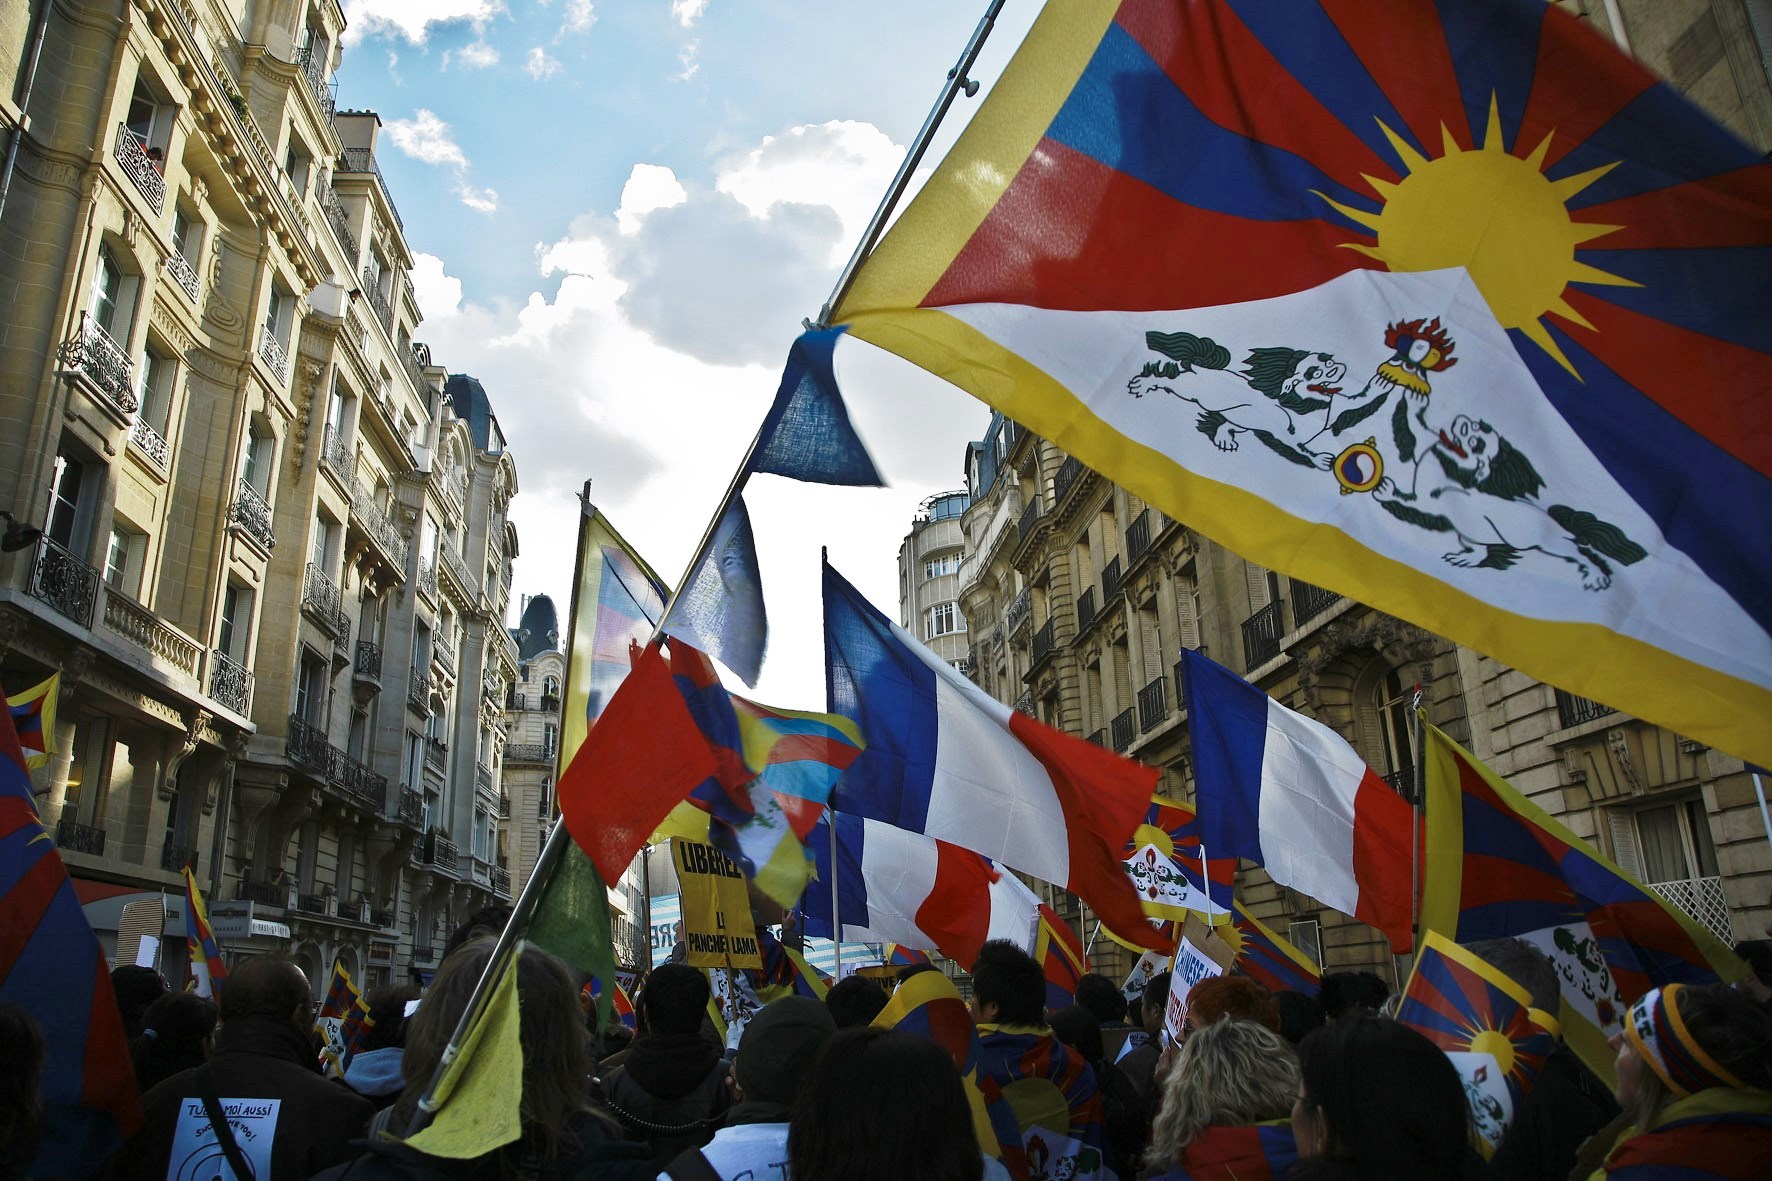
x: 594, y: 1153
x: 669, y: 1092
x: 376, y: 1074
x: 310, y: 1124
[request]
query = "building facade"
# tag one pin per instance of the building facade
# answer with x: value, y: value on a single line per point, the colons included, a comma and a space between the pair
x: 275, y: 560
x: 928, y: 576
x: 533, y: 714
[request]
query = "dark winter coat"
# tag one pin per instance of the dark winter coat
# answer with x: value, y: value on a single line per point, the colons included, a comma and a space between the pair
x: 595, y: 1153
x: 255, y: 1058
x: 669, y: 1092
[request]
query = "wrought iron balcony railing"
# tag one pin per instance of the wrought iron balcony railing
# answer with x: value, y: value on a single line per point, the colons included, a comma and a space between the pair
x: 335, y: 452
x: 374, y: 521
x: 411, y: 813
x: 64, y: 581
x: 1153, y: 705
x: 146, y: 630
x: 1261, y: 636
x: 323, y: 602
x: 1068, y: 472
x: 504, y: 807
x: 384, y: 311
x: 230, y: 682
x: 306, y: 746
x: 529, y: 752
x: 443, y: 653
x: 253, y: 515
x: 1045, y: 640
x: 313, y: 68
x: 1138, y: 536
x: 1123, y: 727
x: 92, y: 355
x: 174, y: 858
x: 338, y: 219
x: 363, y: 160
x: 427, y: 577
x: 436, y: 753
x: 1112, y: 579
x: 1085, y: 609
x: 272, y: 351
x: 1029, y: 522
x: 132, y: 156
x: 319, y: 904
x: 1309, y: 601
x: 263, y: 893
x: 1099, y: 738
x: 457, y: 569
x: 1019, y: 608
x: 409, y: 362
x: 418, y: 692
x: 1573, y: 710
x: 367, y: 666
x: 183, y: 273
x: 144, y: 438
x: 80, y: 838
x: 501, y: 881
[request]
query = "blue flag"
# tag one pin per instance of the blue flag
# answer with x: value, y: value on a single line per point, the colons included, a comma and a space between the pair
x: 807, y: 435
x: 721, y: 608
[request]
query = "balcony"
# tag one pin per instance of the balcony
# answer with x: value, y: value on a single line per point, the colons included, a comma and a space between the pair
x: 384, y: 311
x: 529, y: 752
x: 1573, y: 710
x: 1138, y: 536
x: 263, y: 893
x: 183, y: 273
x: 411, y: 813
x: 456, y: 568
x: 422, y: 953
x: 1085, y: 609
x: 174, y: 858
x: 230, y: 683
x: 443, y: 654
x: 80, y: 838
x: 439, y: 851
x: 1068, y: 473
x: 319, y: 904
x: 148, y: 631
x: 414, y: 371
x: 1261, y: 636
x: 1309, y: 601
x: 501, y: 881
x: 1018, y: 609
x: 1045, y: 640
x: 1030, y: 521
x: 306, y: 746
x: 357, y: 784
x: 337, y: 218
x: 362, y: 160
x: 144, y: 438
x: 1180, y: 676
x: 427, y: 578
x: 252, y: 515
x: 418, y: 693
x: 335, y: 452
x: 1112, y: 579
x: 64, y: 582
x: 384, y: 919
x: 483, y: 779
x: 367, y: 667
x: 1703, y: 900
x: 436, y: 754
x: 272, y: 353
x: 1153, y: 705
x: 549, y: 703
x: 372, y: 519
x: 94, y: 358
x: 1099, y: 738
x: 132, y: 156
x: 1122, y: 728
x: 504, y: 807
x: 313, y: 68
x: 323, y: 602
x: 1025, y: 703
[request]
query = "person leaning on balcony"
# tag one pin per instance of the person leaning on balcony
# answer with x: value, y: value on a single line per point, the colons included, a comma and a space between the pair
x: 264, y: 1051
x: 1695, y: 1079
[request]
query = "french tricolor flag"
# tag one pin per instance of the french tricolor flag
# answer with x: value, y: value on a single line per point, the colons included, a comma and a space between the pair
x: 902, y: 887
x: 944, y: 759
x: 1291, y: 795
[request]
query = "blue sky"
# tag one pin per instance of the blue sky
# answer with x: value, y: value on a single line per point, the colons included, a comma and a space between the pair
x: 622, y: 211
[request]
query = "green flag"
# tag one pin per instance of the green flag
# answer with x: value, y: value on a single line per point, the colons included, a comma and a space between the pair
x: 572, y: 921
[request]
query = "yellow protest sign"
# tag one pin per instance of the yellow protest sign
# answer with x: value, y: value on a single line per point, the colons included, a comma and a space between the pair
x: 717, y: 927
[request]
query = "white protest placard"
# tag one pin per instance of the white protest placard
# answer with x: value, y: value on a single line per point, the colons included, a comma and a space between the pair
x: 147, y: 953
x: 197, y: 1156
x: 1190, y: 966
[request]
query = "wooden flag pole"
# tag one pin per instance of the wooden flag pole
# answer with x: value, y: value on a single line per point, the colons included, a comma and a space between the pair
x: 957, y: 81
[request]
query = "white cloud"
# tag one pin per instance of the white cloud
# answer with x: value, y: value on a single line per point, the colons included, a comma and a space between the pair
x: 649, y: 187
x: 414, y: 19
x: 479, y: 200
x: 477, y: 55
x: 689, y: 57
x: 427, y: 138
x: 439, y: 295
x: 579, y: 17
x: 539, y: 65
x: 687, y: 12
x: 844, y: 165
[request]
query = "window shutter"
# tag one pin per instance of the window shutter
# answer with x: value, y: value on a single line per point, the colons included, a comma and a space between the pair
x: 1625, y: 849
x: 1256, y: 578
x: 1187, y: 626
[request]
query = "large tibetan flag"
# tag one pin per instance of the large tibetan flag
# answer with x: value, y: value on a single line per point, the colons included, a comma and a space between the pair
x: 1447, y: 306
x: 905, y: 888
x: 1291, y: 795
x: 617, y: 603
x: 52, y: 967
x: 1499, y: 866
x: 1485, y: 1022
x: 33, y: 718
x: 1269, y: 958
x: 343, y: 1021
x: 204, y: 953
x: 1167, y: 865
x: 946, y: 760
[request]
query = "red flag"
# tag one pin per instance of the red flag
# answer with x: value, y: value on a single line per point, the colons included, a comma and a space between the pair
x: 641, y: 759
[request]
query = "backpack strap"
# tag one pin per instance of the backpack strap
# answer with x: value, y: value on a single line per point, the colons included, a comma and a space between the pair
x: 224, y: 1135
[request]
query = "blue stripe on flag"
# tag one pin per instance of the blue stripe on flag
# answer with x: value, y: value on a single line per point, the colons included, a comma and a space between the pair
x: 1127, y: 113
x: 1645, y: 157
x: 1494, y: 48
x: 1227, y: 717
x: 852, y: 889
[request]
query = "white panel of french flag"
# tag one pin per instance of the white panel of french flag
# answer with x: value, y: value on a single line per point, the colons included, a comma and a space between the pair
x: 1292, y: 795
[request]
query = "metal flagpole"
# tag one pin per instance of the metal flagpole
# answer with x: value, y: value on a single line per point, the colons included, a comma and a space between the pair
x: 1416, y: 803
x: 956, y: 82
x: 836, y: 910
x: 1765, y: 816
x: 1090, y: 946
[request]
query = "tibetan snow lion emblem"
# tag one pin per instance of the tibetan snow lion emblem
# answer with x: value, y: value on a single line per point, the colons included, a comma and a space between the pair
x: 1439, y: 473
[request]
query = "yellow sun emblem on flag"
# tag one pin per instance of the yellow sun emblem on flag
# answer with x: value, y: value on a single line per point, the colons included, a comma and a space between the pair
x: 1495, y: 214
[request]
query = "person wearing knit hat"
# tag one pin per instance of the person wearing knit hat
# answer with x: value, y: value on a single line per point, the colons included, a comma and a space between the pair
x: 1695, y: 1077
x: 775, y: 1054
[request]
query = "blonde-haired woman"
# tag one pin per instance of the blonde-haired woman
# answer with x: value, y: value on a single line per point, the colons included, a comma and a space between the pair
x: 1226, y: 1105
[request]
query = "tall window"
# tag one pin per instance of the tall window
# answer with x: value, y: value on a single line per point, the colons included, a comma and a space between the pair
x: 236, y: 613
x: 107, y: 292
x: 1666, y: 843
x: 257, y: 467
x: 277, y: 310
x: 942, y: 619
x: 123, y: 559
x: 154, y: 391
x: 187, y: 234
x: 67, y: 503
x: 311, y: 688
x: 321, y: 552
x: 1391, y: 698
x: 945, y: 564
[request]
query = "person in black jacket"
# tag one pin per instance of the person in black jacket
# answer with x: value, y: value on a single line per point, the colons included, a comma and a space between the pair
x: 670, y: 1090
x: 287, y: 1119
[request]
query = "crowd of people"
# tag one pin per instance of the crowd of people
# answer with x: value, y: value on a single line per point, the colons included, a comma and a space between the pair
x: 1257, y: 1085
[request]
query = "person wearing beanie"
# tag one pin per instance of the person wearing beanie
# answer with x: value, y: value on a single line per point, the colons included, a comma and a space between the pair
x: 775, y: 1054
